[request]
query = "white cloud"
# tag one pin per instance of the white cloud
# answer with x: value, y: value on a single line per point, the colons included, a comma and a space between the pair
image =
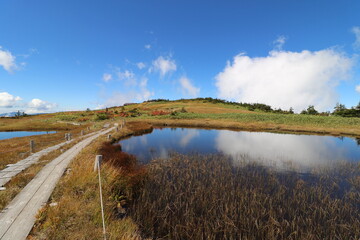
x: 39, y: 106
x: 7, y: 60
x: 164, y: 65
x: 357, y: 88
x: 144, y: 95
x: 356, y: 31
x: 141, y: 65
x: 107, y: 77
x: 127, y: 76
x: 285, y: 79
x: 143, y: 82
x: 31, y: 52
x: 119, y: 98
x: 7, y: 100
x: 188, y: 87
x: 279, y: 42
x: 148, y: 46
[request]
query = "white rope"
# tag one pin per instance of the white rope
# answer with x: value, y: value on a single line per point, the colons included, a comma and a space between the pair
x: 101, y: 202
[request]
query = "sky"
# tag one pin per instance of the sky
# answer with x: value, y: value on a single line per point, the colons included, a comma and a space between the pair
x: 73, y: 55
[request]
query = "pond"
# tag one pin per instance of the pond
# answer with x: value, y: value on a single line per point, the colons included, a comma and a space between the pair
x: 272, y: 149
x: 7, y: 135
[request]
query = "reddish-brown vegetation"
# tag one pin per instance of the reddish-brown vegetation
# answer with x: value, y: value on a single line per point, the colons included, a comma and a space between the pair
x: 159, y: 113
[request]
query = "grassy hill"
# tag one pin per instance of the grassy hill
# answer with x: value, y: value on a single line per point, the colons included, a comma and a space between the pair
x: 193, y: 113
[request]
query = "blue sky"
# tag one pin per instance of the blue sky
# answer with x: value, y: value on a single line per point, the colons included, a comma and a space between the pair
x: 68, y: 55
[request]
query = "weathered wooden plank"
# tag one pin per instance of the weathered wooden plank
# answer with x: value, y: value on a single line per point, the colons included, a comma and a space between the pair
x: 17, y: 220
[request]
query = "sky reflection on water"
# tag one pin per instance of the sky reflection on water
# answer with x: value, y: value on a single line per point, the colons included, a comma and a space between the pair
x: 301, y: 151
x: 7, y: 135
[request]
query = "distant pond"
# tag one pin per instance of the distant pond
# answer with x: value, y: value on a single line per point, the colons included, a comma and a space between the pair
x: 7, y: 135
x: 272, y: 149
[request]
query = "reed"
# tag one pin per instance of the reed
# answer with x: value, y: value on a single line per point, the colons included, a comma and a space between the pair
x: 208, y: 197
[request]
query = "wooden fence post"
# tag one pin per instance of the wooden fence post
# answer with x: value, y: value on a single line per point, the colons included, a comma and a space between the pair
x: 32, y: 146
x: 98, y: 160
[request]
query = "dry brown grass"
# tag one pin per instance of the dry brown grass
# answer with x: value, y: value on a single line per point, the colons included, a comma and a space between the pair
x: 14, y: 149
x: 211, y: 115
x: 17, y: 183
x: 33, y: 123
x: 191, y: 106
x: 77, y: 215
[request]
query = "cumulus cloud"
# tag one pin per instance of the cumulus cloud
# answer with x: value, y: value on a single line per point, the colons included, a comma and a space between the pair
x: 188, y: 87
x: 357, y: 88
x: 107, y: 77
x: 141, y: 65
x: 356, y: 31
x: 7, y: 60
x: 39, y: 106
x: 285, y: 79
x: 164, y: 65
x: 7, y: 100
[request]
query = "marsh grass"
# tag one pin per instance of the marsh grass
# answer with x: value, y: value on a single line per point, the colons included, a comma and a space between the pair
x: 207, y: 197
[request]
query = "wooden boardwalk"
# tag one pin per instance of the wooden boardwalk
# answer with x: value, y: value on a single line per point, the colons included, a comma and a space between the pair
x: 18, y: 218
x: 13, y: 169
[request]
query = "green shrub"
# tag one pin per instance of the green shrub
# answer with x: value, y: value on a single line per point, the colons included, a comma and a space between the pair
x: 101, y: 117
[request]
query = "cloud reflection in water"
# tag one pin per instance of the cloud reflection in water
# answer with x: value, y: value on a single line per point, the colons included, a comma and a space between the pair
x: 281, y: 149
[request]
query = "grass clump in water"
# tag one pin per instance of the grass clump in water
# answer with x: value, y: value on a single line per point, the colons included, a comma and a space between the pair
x: 208, y: 197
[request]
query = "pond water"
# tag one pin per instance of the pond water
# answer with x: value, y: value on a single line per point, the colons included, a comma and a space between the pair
x: 6, y: 135
x: 273, y: 149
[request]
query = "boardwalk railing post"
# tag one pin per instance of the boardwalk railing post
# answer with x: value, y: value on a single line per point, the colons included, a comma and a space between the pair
x: 98, y: 160
x: 82, y: 132
x: 66, y: 136
x: 32, y: 146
